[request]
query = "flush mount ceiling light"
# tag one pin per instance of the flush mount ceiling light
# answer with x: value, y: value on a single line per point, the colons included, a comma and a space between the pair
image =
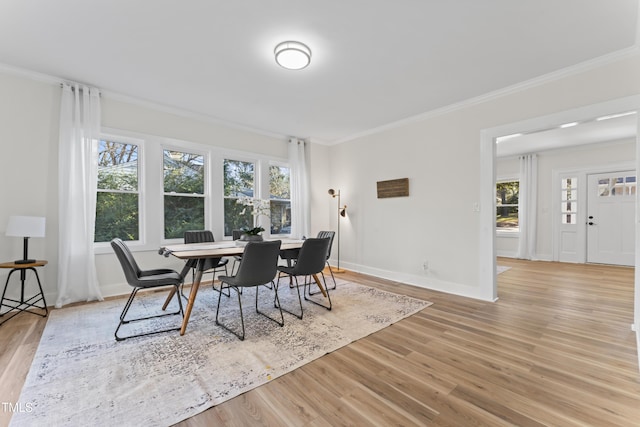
x: 292, y: 55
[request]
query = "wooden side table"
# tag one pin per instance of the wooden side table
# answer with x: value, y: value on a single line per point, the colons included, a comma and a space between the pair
x: 22, y: 304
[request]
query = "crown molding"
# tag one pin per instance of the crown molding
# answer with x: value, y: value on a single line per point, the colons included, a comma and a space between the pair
x: 105, y: 93
x: 519, y: 87
x: 32, y: 75
x: 189, y: 114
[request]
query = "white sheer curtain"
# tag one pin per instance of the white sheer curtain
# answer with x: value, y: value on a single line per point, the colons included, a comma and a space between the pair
x: 300, y: 200
x: 528, y: 206
x: 77, y: 163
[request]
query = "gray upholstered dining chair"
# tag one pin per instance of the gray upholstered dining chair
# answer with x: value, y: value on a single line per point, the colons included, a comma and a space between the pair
x: 144, y: 279
x: 330, y: 235
x: 211, y: 265
x: 291, y: 255
x: 258, y: 267
x: 310, y: 263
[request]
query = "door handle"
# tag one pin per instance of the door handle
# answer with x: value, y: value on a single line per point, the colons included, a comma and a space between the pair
x: 591, y: 223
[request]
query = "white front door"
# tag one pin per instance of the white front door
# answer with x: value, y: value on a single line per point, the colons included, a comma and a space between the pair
x: 610, y: 218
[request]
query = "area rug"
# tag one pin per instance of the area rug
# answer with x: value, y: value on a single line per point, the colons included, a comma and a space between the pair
x: 81, y: 376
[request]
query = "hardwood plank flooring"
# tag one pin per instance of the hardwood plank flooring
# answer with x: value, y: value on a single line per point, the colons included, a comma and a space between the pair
x: 556, y: 349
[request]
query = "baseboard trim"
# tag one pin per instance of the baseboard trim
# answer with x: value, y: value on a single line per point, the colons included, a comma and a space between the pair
x: 429, y: 281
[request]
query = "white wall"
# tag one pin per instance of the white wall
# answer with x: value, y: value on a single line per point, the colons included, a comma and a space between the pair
x: 29, y: 112
x: 585, y: 157
x: 441, y: 156
x: 319, y: 165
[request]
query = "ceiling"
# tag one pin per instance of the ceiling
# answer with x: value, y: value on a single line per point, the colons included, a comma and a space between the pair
x: 589, y: 131
x: 374, y: 62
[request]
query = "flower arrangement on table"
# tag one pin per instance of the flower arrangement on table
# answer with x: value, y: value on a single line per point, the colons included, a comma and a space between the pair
x: 258, y: 207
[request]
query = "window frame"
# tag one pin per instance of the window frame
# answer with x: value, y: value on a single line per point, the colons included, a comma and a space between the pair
x: 282, y: 165
x: 206, y: 158
x: 151, y: 187
x: 257, y: 188
x: 502, y: 232
x: 101, y: 247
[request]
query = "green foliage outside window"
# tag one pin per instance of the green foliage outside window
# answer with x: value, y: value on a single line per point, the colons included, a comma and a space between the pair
x: 238, y: 182
x: 238, y: 178
x: 116, y: 216
x: 280, y: 195
x: 182, y: 214
x: 183, y: 172
x: 233, y: 218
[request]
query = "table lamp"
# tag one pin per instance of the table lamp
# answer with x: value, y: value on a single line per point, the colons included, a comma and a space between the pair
x: 25, y: 227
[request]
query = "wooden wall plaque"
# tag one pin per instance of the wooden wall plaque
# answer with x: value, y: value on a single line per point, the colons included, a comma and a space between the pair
x: 393, y: 188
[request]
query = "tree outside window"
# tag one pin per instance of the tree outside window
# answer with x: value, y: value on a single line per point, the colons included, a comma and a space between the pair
x: 117, y: 207
x: 507, y: 205
x: 239, y: 182
x: 280, y: 199
x: 183, y: 193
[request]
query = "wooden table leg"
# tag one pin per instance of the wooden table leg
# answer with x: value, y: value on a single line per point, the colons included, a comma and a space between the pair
x: 185, y: 270
x: 192, y: 296
x: 315, y: 277
x: 168, y: 300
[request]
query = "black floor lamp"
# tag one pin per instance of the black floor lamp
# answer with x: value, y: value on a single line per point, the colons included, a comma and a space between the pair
x: 342, y: 212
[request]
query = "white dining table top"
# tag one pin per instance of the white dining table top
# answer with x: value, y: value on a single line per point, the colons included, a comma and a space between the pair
x: 218, y: 249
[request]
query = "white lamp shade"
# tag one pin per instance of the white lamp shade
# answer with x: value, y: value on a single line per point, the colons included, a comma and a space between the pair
x: 26, y: 226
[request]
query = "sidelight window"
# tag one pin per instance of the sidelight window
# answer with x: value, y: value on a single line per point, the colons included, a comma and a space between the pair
x: 569, y: 202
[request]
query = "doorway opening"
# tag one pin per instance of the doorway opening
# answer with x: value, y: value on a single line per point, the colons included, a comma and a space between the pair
x: 488, y: 173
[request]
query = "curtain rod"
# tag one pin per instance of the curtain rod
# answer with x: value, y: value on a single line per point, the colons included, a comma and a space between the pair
x: 72, y: 85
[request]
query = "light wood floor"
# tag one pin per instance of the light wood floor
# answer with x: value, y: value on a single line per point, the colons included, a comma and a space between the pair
x: 556, y: 349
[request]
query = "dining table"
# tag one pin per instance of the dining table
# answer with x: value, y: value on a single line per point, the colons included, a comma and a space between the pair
x: 202, y: 251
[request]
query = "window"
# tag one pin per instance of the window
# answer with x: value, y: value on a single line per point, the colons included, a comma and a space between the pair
x: 183, y: 193
x: 239, y: 181
x: 117, y: 201
x: 569, y: 207
x: 280, y: 199
x: 146, y: 201
x: 507, y: 205
x: 617, y: 186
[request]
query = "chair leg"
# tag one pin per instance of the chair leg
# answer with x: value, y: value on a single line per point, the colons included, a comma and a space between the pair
x: 233, y: 267
x: 213, y: 283
x: 277, y: 300
x: 241, y: 337
x: 222, y: 287
x: 272, y: 286
x: 332, y: 277
x: 127, y: 306
x: 174, y: 291
x: 307, y: 293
